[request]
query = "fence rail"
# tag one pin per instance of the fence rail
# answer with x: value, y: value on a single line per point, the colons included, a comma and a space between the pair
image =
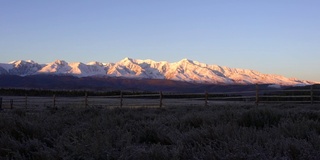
x: 158, y: 100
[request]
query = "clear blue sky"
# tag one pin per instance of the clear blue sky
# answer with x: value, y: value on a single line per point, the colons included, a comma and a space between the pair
x: 271, y: 36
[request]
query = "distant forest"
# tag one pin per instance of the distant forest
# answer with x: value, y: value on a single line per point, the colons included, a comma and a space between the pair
x: 66, y: 93
x: 77, y: 93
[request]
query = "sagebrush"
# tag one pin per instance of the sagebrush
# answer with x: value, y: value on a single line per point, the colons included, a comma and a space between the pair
x: 186, y: 132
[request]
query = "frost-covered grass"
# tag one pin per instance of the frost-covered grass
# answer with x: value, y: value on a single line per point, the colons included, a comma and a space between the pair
x: 185, y: 132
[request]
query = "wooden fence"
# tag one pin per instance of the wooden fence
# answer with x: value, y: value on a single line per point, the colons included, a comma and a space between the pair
x: 160, y: 99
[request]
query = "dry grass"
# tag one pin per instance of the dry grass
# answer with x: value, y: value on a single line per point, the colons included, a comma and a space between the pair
x: 185, y: 132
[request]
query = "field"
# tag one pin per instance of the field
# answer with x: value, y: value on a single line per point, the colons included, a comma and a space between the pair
x: 184, y: 131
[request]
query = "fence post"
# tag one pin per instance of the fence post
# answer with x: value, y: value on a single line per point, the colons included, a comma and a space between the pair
x: 86, y: 99
x: 54, y: 101
x: 257, y: 94
x: 0, y: 103
x: 206, y: 98
x: 121, y: 99
x: 311, y: 94
x: 11, y: 103
x: 160, y: 98
x: 26, y: 101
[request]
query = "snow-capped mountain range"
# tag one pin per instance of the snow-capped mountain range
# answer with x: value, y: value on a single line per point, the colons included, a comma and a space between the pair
x: 184, y: 70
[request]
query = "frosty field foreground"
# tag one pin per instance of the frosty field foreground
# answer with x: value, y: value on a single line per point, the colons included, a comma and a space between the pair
x: 184, y: 132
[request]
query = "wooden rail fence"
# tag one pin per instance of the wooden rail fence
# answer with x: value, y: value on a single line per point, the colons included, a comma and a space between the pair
x: 258, y: 96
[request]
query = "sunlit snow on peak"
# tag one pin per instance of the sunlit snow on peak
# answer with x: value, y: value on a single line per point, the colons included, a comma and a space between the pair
x: 183, y: 70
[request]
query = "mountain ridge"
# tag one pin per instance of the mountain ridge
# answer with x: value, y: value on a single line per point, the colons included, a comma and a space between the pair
x: 183, y: 70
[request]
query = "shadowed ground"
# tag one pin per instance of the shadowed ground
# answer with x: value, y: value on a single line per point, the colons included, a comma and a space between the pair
x: 222, y: 131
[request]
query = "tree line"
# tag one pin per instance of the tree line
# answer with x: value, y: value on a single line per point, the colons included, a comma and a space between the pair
x: 65, y: 93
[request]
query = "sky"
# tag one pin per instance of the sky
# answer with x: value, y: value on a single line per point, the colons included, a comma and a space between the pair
x: 272, y: 36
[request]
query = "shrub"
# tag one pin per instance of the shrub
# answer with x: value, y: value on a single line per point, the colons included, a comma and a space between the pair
x: 260, y: 118
x: 212, y: 132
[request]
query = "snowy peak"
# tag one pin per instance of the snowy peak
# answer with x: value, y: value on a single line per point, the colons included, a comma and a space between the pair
x: 22, y: 62
x: 56, y: 67
x: 95, y: 63
x: 185, y: 60
x: 183, y: 70
x: 20, y: 67
x: 60, y: 62
x: 127, y: 59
